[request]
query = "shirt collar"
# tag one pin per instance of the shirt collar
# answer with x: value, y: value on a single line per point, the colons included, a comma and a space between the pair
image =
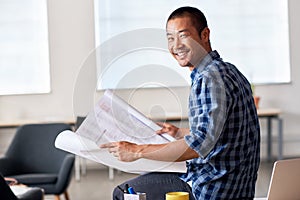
x: 205, y: 61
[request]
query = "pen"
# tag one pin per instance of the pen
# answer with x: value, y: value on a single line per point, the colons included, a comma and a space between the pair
x: 126, y: 187
x: 131, y: 190
x: 124, y: 191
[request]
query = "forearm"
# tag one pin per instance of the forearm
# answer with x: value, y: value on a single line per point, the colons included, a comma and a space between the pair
x: 172, y: 152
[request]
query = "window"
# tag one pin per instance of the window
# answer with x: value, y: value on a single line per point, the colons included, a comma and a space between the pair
x: 24, y: 54
x: 253, y: 35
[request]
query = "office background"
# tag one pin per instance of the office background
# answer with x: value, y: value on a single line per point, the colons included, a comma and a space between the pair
x: 71, y: 40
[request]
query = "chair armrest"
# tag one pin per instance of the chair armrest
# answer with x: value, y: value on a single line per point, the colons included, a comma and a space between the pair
x: 64, y: 174
x: 8, y: 166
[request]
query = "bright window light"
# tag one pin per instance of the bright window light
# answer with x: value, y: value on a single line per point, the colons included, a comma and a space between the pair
x: 253, y: 35
x: 24, y: 52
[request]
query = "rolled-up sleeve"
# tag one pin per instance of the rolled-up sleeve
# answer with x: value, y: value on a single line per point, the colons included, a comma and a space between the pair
x: 207, y: 112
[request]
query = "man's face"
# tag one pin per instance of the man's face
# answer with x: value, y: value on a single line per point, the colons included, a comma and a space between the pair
x: 184, y: 42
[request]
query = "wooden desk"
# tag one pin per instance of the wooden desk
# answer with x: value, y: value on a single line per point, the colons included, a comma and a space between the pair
x: 271, y: 114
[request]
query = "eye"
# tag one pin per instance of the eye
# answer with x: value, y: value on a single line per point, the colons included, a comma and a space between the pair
x: 170, y: 39
x: 183, y: 35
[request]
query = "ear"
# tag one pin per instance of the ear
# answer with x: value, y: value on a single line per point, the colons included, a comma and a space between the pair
x: 205, y: 34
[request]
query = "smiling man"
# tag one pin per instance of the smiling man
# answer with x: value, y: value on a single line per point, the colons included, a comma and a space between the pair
x: 187, y: 44
x: 222, y: 144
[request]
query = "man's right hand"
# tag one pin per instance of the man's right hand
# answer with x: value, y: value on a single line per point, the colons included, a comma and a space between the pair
x: 168, y: 128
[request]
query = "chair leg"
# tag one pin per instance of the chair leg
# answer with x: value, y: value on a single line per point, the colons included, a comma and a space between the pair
x: 66, y: 195
x: 56, y: 197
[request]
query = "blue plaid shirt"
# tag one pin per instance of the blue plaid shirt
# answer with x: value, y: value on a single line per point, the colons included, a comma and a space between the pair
x: 224, y: 131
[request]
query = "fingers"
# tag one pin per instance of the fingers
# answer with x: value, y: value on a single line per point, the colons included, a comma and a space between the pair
x: 123, y: 151
x: 160, y: 131
x: 164, y: 128
x: 115, y: 154
x: 163, y: 124
x: 108, y: 145
x: 112, y: 148
x: 160, y: 124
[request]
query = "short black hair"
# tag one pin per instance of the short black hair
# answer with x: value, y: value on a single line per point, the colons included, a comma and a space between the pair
x: 197, y: 17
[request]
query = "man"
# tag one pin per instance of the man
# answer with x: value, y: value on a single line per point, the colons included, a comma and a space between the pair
x: 222, y: 145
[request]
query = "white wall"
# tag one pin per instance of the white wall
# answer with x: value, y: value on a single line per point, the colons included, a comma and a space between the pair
x: 71, y: 36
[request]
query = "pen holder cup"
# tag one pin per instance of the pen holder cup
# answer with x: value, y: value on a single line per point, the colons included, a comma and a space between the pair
x: 138, y: 196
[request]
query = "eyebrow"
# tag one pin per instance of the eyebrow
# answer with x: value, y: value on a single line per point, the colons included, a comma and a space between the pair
x: 183, y: 30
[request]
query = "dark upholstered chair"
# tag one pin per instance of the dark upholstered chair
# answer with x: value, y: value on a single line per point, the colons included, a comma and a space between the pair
x: 33, y: 160
x: 7, y: 194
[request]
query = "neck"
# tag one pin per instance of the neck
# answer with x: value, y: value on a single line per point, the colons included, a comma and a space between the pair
x: 192, y: 67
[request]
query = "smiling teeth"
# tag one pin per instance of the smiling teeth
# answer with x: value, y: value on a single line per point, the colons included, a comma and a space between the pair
x: 181, y: 53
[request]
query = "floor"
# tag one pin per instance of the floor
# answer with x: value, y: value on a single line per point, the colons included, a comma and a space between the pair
x: 95, y: 185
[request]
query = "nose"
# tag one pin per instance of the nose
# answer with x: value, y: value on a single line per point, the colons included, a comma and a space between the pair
x: 177, y: 43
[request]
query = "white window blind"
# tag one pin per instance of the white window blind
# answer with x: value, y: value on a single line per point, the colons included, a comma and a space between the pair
x: 24, y: 54
x: 251, y: 34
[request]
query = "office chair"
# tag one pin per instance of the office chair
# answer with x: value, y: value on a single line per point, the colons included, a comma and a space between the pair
x: 7, y: 194
x: 33, y: 160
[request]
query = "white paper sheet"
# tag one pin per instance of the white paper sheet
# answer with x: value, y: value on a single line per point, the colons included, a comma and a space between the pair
x: 81, y: 146
x: 114, y: 120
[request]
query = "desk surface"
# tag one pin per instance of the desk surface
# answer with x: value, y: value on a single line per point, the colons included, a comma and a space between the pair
x: 268, y: 112
x: 263, y: 112
x: 20, y: 122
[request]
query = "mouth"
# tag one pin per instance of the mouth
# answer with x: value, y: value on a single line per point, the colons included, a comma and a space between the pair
x: 181, y: 54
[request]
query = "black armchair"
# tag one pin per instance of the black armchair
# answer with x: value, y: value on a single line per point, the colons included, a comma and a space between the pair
x: 33, y: 160
x: 7, y: 194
